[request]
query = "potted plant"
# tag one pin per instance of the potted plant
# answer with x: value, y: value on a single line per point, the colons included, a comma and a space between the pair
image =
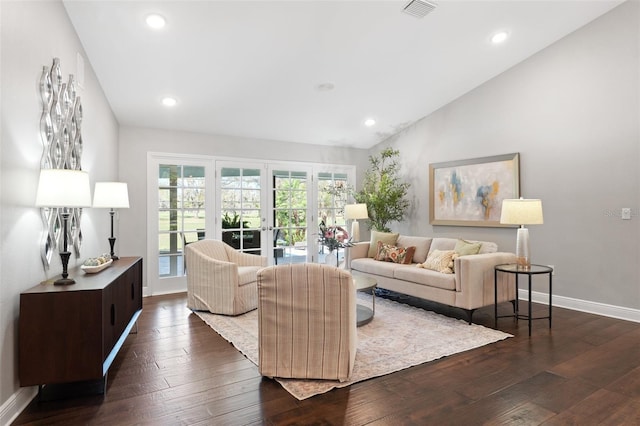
x: 383, y: 191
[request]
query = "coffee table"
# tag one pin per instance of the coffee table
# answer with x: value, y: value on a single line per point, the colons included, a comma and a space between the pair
x: 364, y: 314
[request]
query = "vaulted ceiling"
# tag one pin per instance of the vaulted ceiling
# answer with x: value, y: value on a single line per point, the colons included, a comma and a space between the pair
x: 308, y: 71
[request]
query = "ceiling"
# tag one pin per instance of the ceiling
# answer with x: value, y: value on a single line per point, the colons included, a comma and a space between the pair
x: 261, y: 69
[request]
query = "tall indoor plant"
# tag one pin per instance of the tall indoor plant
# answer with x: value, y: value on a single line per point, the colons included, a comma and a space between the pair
x: 383, y: 191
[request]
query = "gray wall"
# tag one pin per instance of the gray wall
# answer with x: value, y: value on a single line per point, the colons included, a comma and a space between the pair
x: 572, y: 112
x: 135, y: 143
x: 32, y: 34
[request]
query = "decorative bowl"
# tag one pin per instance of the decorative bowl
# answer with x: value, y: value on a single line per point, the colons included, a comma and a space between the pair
x: 95, y: 269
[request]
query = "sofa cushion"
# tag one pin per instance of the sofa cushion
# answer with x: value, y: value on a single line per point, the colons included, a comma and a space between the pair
x: 387, y: 253
x: 466, y: 248
x: 372, y: 266
x: 440, y: 261
x: 421, y: 244
x: 385, y: 237
x: 441, y: 243
x: 426, y: 277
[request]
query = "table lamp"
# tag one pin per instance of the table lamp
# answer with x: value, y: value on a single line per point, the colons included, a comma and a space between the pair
x: 111, y: 195
x: 355, y: 212
x: 522, y: 212
x: 65, y: 189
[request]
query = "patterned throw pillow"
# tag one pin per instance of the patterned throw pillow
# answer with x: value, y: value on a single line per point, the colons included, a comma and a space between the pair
x: 389, y: 253
x: 440, y: 261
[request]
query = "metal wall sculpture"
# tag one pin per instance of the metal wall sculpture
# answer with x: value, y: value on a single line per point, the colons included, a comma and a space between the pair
x: 60, y: 127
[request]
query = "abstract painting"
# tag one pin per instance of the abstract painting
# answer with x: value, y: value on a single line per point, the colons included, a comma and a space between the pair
x: 470, y: 192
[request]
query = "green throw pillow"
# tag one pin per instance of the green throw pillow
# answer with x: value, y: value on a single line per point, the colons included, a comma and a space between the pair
x: 465, y: 248
x: 386, y: 237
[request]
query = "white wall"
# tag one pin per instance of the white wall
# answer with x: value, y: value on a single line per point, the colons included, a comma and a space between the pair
x: 572, y: 112
x: 135, y: 143
x: 32, y: 34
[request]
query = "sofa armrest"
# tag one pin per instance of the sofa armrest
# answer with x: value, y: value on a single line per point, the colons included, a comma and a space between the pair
x: 245, y: 259
x: 475, y: 279
x: 358, y: 251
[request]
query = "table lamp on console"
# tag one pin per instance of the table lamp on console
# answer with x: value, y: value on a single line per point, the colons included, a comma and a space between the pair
x: 522, y: 212
x: 64, y: 189
x: 111, y: 195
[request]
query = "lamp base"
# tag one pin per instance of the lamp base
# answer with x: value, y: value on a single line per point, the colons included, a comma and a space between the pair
x: 112, y: 243
x: 355, y: 231
x: 523, y: 257
x: 64, y: 281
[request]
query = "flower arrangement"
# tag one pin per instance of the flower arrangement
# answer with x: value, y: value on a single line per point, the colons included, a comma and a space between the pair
x: 333, y: 237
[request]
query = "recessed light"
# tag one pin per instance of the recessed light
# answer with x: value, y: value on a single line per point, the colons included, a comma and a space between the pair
x: 369, y: 122
x: 499, y: 37
x: 169, y: 101
x: 156, y: 21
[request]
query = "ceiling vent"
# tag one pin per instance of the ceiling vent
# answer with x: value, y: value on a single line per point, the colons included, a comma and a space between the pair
x: 419, y: 8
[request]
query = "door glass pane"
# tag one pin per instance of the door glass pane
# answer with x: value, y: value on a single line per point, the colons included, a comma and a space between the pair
x: 332, y: 198
x: 241, y: 213
x: 289, y: 216
x: 181, y: 218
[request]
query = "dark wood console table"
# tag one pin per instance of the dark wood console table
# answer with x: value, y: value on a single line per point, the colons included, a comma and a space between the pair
x: 72, y: 333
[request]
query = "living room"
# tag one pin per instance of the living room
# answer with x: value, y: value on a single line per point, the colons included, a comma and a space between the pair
x: 570, y: 110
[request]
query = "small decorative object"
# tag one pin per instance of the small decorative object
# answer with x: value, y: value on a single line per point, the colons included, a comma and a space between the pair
x: 355, y: 212
x: 333, y: 238
x: 96, y: 264
x: 470, y: 192
x: 64, y: 190
x: 522, y: 212
x: 112, y: 195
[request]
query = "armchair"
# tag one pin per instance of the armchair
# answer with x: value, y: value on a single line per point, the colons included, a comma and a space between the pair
x: 220, y: 279
x: 306, y: 322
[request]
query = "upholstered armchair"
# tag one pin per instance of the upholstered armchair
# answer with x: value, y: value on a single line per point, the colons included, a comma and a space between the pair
x: 220, y: 279
x: 307, y: 322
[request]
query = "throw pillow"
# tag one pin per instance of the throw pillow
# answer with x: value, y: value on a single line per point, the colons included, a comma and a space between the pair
x: 388, y: 253
x: 440, y: 261
x: 385, y: 237
x: 465, y: 248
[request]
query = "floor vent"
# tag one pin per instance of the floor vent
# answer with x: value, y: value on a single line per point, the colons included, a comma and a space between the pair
x: 419, y: 8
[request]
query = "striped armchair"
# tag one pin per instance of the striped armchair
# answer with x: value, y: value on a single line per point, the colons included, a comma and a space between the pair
x: 307, y: 322
x: 220, y: 279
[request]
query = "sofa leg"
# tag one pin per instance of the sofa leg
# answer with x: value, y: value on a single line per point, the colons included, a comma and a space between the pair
x: 470, y: 314
x: 515, y: 307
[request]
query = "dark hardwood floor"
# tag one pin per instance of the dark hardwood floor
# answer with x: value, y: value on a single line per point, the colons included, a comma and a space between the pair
x: 176, y: 370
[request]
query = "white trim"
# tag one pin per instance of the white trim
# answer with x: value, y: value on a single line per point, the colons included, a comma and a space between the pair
x: 619, y: 312
x: 16, y: 403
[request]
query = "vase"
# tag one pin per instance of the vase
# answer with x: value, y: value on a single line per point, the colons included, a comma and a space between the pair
x: 331, y: 258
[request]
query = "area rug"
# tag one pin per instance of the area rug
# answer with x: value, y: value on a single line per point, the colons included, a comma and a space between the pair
x: 400, y: 336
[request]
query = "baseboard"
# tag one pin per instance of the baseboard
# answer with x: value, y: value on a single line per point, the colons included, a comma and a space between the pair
x: 17, y: 402
x: 619, y: 312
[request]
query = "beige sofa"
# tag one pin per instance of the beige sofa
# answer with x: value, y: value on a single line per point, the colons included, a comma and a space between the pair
x: 470, y: 287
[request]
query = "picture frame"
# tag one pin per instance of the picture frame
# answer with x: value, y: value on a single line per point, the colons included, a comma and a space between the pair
x: 470, y: 192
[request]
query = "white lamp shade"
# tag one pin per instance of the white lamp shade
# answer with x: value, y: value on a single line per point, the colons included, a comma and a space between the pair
x: 63, y: 188
x: 521, y: 212
x: 112, y: 195
x: 356, y: 211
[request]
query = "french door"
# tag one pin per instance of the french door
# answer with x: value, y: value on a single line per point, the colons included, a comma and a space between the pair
x: 180, y: 209
x: 271, y: 209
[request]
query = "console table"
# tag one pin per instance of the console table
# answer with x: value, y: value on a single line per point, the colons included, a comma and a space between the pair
x: 513, y: 268
x: 72, y: 333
